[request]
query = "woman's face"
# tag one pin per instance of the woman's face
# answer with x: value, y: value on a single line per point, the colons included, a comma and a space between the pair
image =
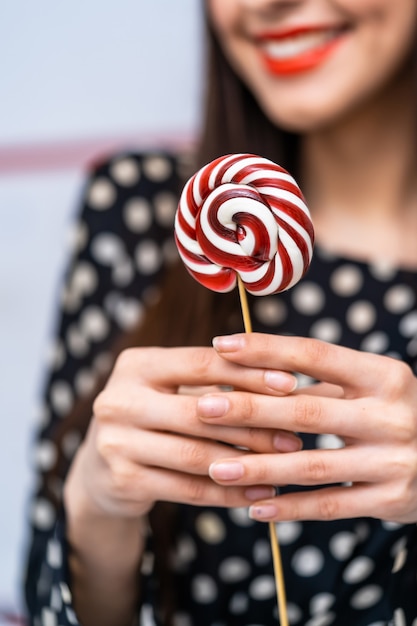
x: 309, y: 63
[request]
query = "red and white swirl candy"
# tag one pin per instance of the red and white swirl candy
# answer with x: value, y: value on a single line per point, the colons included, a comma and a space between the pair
x: 244, y: 215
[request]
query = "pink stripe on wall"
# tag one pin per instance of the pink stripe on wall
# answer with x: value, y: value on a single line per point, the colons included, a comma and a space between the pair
x: 80, y: 153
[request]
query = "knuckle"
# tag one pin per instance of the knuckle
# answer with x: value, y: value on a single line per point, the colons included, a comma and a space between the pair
x: 201, y: 361
x: 316, y: 471
x: 195, y: 491
x: 193, y: 455
x: 103, y: 406
x: 246, y: 410
x: 123, y: 478
x: 106, y: 444
x: 316, y: 350
x: 328, y: 507
x: 307, y: 413
x: 399, y: 379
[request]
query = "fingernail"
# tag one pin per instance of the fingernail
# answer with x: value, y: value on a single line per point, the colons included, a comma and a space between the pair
x: 212, y: 406
x: 230, y: 470
x: 263, y: 512
x: 259, y: 493
x: 286, y: 442
x: 228, y: 343
x: 280, y: 381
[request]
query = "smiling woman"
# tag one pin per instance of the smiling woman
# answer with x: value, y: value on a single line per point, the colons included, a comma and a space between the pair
x: 169, y: 450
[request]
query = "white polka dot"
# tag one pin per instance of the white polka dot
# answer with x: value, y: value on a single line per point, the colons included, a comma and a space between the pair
x: 77, y: 237
x: 84, y: 279
x: 327, y: 329
x: 346, y: 280
x: 408, y: 325
x: 70, y: 300
x: 65, y: 593
x: 71, y: 617
x: 128, y: 312
x: 108, y: 249
x: 185, y: 551
x: 239, y: 603
x: 366, y: 597
x: 48, y: 617
x: 70, y: 443
x: 399, y: 299
x: 43, y: 514
x: 234, y: 569
x: 147, y: 615
x: 45, y: 454
x: 56, y: 355
x: 321, y: 603
x: 210, y: 527
x: 361, y: 316
x: 85, y: 382
x: 329, y: 442
x: 181, y: 619
x: 308, y: 298
x: 342, y: 544
x: 321, y: 620
x: 412, y: 348
x: 307, y: 561
x: 165, y: 206
x: 400, y: 561
x: 303, y: 380
x: 358, y: 569
x: 125, y: 171
x: 147, y: 564
x: 62, y: 397
x: 157, y: 168
x: 399, y: 618
x: 270, y: 310
x: 262, y: 588
x: 55, y: 601
x: 101, y: 194
x: 378, y: 624
x: 77, y: 343
x: 390, y: 525
x: 123, y: 273
x: 240, y: 516
x: 137, y: 214
x: 383, y: 270
x: 41, y: 415
x: 54, y: 553
x: 294, y: 613
x: 261, y: 552
x: 103, y: 362
x: 377, y: 342
x: 94, y: 324
x: 288, y: 532
x: 148, y: 257
x: 204, y: 589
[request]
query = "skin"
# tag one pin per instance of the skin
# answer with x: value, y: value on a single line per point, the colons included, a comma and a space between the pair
x: 157, y: 433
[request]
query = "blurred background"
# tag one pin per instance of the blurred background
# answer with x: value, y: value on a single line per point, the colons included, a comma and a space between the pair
x: 78, y: 81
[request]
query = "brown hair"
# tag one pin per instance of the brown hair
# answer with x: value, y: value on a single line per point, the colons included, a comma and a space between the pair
x: 233, y: 122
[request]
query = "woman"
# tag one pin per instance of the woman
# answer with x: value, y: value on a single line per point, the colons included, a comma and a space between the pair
x: 327, y: 89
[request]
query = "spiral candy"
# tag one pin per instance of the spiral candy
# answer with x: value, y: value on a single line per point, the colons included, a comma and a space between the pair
x: 244, y: 215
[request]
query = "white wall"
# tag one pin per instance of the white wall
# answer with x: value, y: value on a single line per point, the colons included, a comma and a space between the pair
x: 87, y: 74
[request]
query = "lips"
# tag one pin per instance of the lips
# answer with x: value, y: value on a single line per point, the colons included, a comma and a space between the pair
x: 298, y: 50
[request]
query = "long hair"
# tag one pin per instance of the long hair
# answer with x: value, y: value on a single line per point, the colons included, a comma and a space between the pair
x: 232, y: 122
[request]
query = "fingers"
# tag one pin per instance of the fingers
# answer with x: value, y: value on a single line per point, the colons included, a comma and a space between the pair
x: 303, y: 413
x: 323, y: 361
x: 306, y: 468
x: 166, y: 369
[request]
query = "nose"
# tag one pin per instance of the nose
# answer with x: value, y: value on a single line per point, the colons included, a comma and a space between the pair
x: 270, y: 8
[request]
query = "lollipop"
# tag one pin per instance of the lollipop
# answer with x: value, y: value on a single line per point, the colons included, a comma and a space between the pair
x: 244, y: 216
x: 242, y: 219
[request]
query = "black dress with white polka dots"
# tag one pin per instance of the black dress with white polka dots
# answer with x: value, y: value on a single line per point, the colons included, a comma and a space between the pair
x: 359, y: 572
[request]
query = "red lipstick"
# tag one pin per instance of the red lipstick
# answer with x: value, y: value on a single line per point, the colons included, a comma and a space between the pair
x: 298, y: 50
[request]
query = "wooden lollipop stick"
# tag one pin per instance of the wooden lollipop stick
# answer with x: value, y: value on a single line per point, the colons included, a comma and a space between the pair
x: 276, y: 553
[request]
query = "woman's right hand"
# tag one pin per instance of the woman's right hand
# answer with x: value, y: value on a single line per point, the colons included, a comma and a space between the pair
x: 146, y: 444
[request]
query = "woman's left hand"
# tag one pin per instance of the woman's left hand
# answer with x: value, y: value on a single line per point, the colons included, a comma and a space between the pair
x: 369, y: 401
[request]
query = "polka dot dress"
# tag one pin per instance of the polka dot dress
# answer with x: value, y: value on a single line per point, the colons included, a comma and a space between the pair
x: 359, y: 572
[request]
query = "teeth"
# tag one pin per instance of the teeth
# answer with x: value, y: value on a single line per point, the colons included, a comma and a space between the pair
x: 297, y: 45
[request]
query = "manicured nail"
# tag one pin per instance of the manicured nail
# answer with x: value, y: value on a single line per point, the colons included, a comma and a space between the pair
x: 286, y: 442
x: 280, y: 381
x: 212, y: 406
x: 263, y: 512
x: 228, y: 470
x: 259, y: 493
x: 228, y: 343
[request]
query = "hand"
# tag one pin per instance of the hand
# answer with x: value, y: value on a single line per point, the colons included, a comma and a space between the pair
x: 146, y: 443
x: 369, y: 401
